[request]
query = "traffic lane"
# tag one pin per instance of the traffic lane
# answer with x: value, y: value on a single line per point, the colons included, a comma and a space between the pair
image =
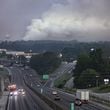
x: 70, y: 98
x: 40, y: 105
x: 48, y: 92
x: 35, y: 98
x: 10, y: 104
x: 62, y: 69
x: 63, y: 101
x: 53, y: 77
x: 48, y: 95
x: 66, y: 100
x: 28, y: 102
x: 18, y: 103
x: 25, y: 101
x: 32, y: 97
x: 13, y: 100
x: 13, y: 103
x: 32, y: 75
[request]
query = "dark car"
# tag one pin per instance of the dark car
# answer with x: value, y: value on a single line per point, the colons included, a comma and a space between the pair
x: 57, y: 97
x: 78, y: 102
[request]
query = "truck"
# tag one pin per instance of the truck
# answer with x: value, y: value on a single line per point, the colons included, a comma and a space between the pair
x: 83, y: 96
x: 12, y: 89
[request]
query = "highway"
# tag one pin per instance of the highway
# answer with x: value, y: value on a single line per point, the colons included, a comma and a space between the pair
x: 32, y: 102
x: 66, y: 98
x: 65, y: 68
x: 29, y: 101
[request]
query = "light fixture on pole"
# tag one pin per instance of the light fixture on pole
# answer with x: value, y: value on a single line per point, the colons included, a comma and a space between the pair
x: 106, y: 81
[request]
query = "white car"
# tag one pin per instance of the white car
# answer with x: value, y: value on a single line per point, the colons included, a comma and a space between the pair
x: 15, y: 93
x: 21, y: 91
x: 54, y: 92
x: 11, y: 93
x: 38, y: 85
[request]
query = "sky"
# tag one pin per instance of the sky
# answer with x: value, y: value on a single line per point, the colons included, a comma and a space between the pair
x: 82, y: 20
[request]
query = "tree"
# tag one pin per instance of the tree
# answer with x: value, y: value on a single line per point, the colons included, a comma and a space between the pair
x: 3, y: 54
x: 45, y: 63
x: 97, y: 61
x: 22, y: 59
x: 86, y: 79
x: 83, y: 63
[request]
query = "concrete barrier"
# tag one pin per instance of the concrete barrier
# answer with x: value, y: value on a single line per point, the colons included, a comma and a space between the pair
x: 4, y: 101
x: 50, y: 102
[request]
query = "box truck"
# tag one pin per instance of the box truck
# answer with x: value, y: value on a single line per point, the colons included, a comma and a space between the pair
x: 82, y: 95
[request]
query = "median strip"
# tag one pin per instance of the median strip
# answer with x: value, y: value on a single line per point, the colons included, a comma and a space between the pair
x: 50, y: 102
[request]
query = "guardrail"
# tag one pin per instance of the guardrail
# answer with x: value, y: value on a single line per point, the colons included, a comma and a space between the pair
x: 50, y: 102
x: 103, y: 100
x: 7, y: 103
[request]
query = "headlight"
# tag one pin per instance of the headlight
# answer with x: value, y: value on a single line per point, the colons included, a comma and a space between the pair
x: 11, y: 93
x: 23, y: 93
x: 15, y: 93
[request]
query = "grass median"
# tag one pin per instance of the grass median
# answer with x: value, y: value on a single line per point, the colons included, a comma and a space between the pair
x: 61, y: 81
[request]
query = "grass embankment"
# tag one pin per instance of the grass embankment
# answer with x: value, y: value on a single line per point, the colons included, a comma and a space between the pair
x: 61, y: 81
x: 3, y: 72
x: 72, y: 90
x: 102, y: 89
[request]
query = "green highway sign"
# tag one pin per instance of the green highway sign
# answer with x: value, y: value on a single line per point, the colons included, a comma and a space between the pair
x: 45, y: 77
x: 72, y: 106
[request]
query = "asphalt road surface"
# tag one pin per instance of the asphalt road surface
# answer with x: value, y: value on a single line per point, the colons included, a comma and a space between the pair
x: 66, y: 99
x: 29, y: 101
x: 32, y: 102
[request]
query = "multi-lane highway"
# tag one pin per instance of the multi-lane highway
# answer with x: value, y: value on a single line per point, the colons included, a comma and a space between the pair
x: 66, y: 99
x: 32, y: 102
x: 29, y: 101
x: 65, y: 68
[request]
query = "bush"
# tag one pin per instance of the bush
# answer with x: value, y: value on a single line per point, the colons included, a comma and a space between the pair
x: 45, y: 63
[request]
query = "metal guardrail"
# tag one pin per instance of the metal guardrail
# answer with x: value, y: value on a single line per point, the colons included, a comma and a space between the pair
x: 50, y: 102
x: 100, y: 99
x: 7, y: 103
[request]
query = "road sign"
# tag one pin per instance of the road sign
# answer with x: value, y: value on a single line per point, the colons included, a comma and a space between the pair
x: 72, y: 106
x: 41, y: 90
x: 46, y: 77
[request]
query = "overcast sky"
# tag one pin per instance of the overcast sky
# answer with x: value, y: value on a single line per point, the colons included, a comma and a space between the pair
x: 83, y: 20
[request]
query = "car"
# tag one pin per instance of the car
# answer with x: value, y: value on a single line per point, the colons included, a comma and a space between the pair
x: 78, y: 102
x: 38, y: 85
x: 21, y: 91
x: 11, y: 67
x: 57, y: 97
x: 11, y: 93
x: 15, y: 93
x: 54, y: 92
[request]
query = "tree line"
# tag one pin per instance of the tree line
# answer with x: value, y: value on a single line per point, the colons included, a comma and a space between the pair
x: 91, y: 67
x: 45, y: 63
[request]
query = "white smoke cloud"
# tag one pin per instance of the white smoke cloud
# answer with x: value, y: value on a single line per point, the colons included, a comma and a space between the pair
x: 84, y: 20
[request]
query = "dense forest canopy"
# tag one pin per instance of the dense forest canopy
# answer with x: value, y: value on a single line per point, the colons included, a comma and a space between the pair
x: 45, y: 63
x: 69, y: 49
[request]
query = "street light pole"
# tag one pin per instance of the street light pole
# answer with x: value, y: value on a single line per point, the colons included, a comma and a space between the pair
x: 97, y: 83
